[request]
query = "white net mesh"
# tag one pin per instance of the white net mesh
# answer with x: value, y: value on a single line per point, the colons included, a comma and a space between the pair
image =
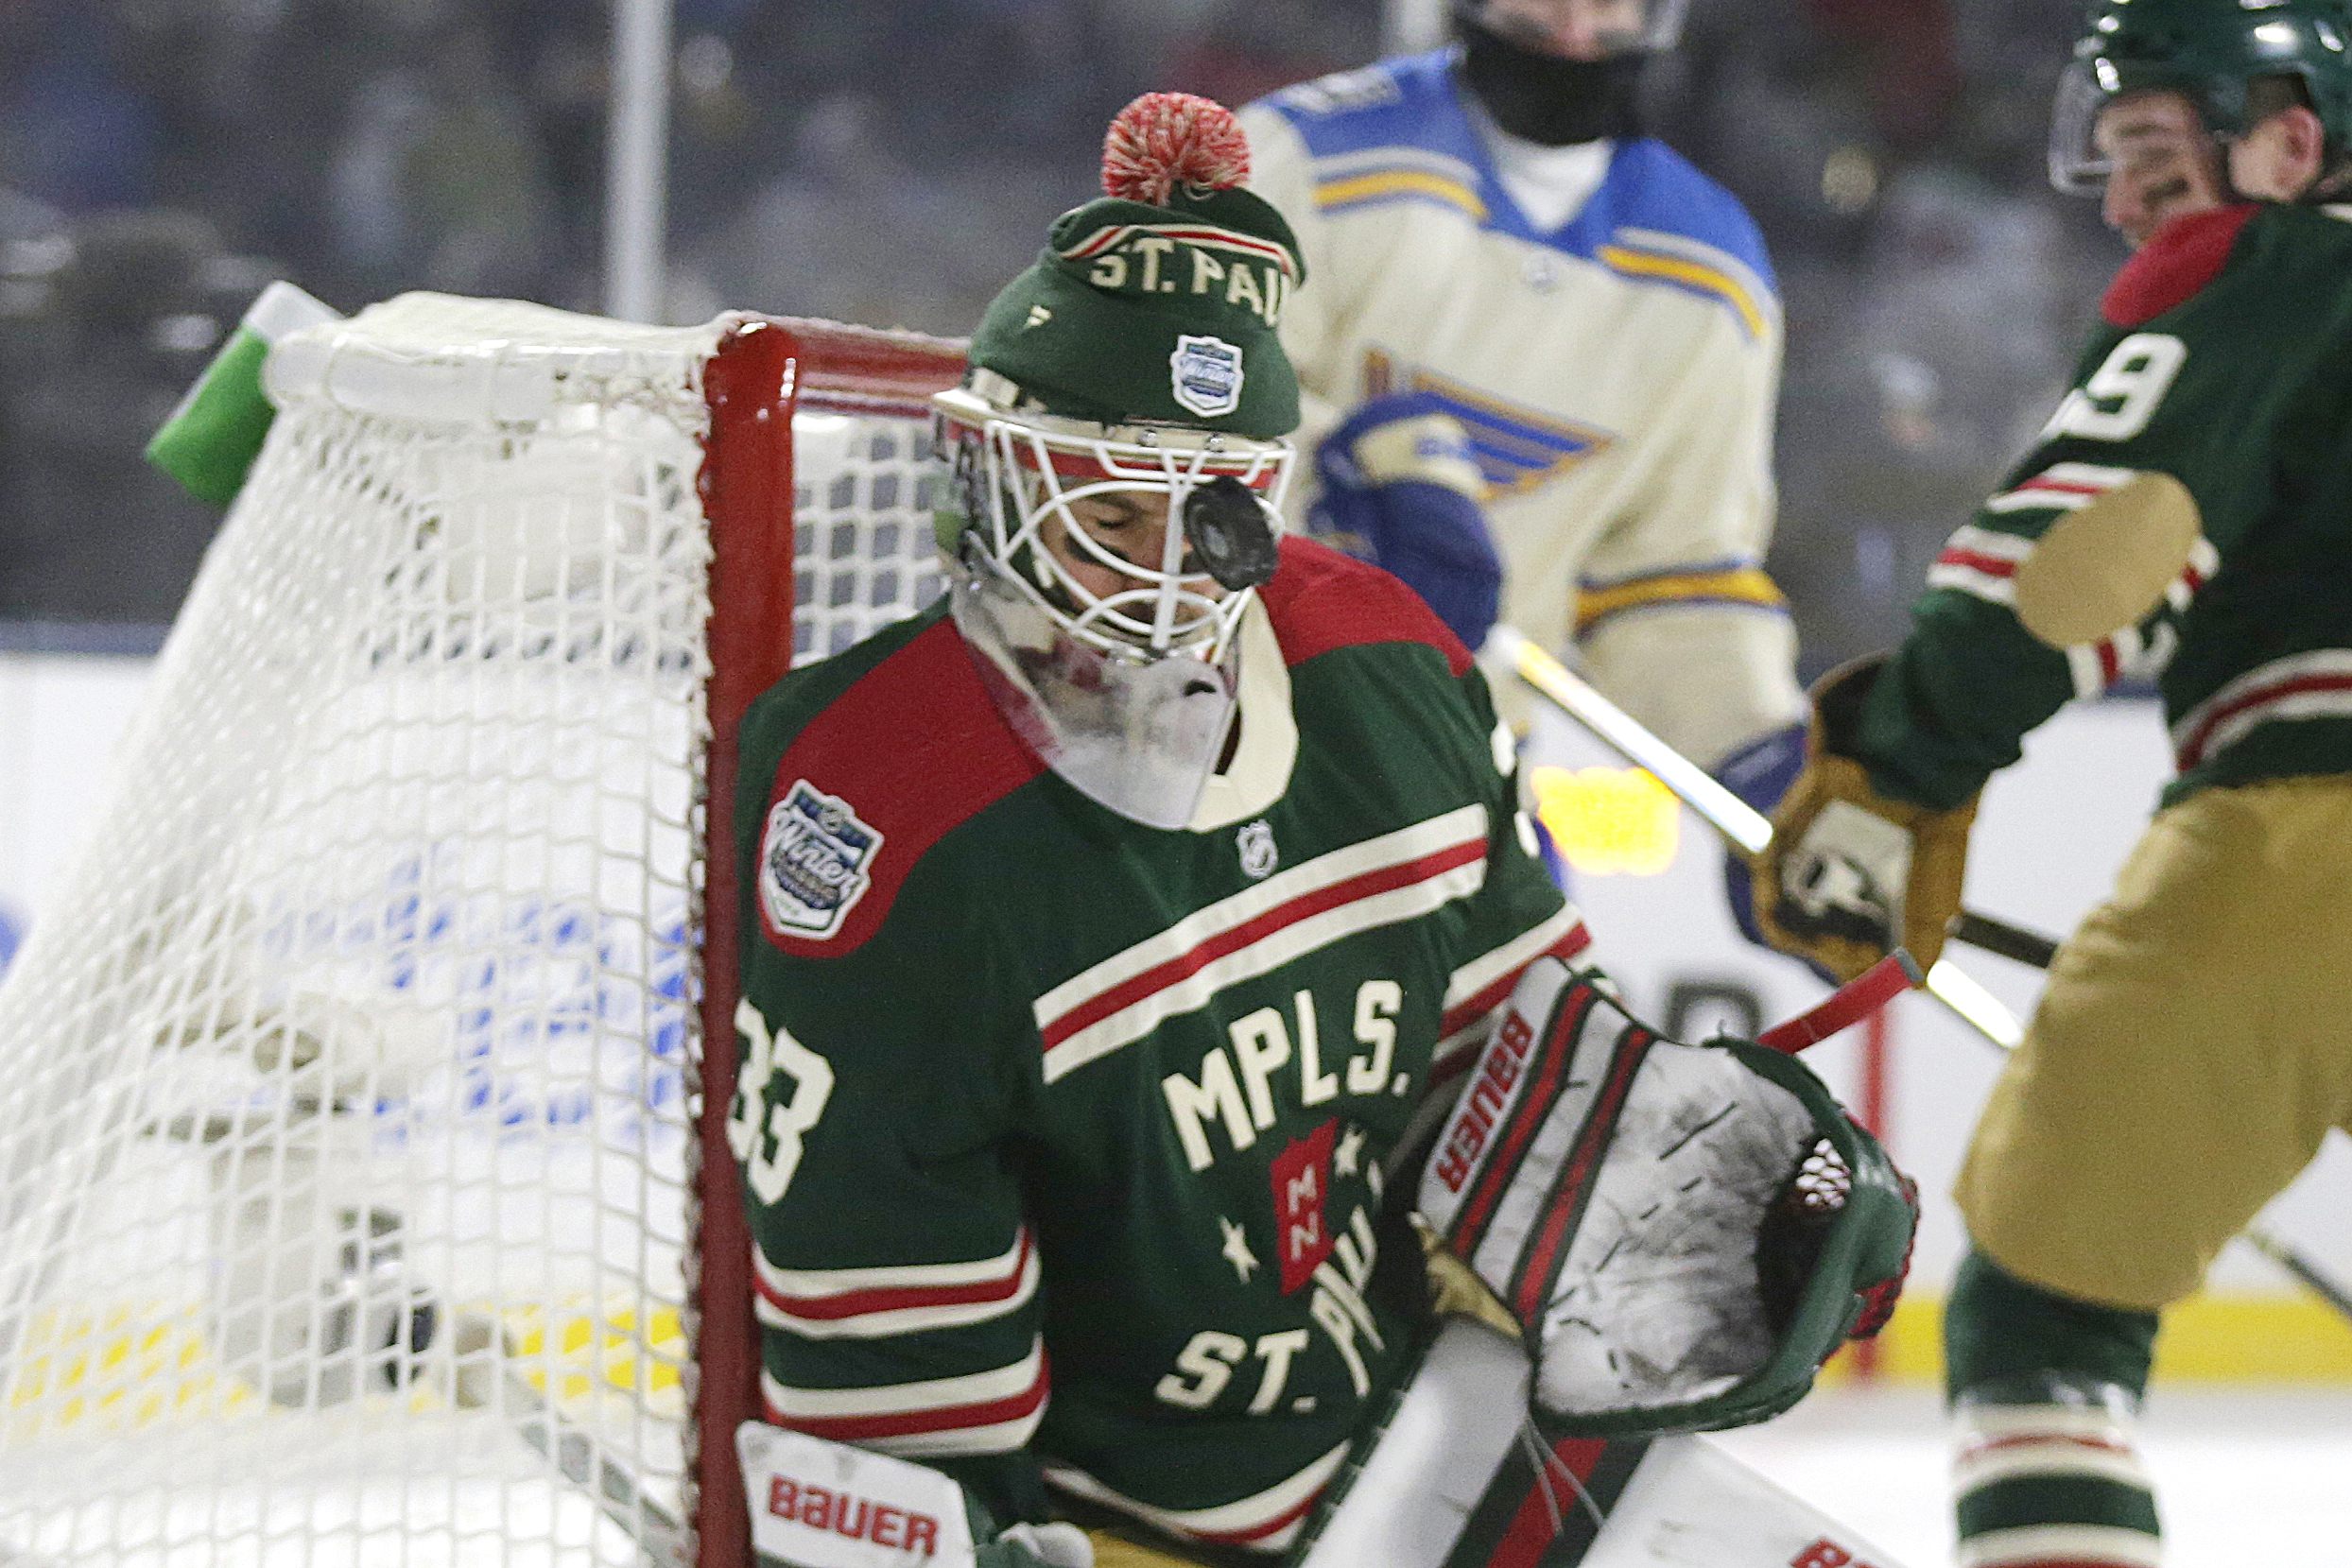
x: 344, y: 1082
x: 861, y: 524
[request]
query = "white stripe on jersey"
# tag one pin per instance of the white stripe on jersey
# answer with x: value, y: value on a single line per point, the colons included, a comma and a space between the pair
x: 1982, y: 1467
x: 2036, y: 1544
x: 986, y: 1412
x: 2062, y: 486
x: 1300, y: 918
x: 2317, y: 684
x: 1981, y: 561
x: 894, y: 1399
x: 867, y: 1303
x: 1267, y: 1521
x: 1522, y: 950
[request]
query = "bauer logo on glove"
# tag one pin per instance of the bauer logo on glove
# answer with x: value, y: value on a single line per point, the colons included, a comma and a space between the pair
x: 1684, y: 1233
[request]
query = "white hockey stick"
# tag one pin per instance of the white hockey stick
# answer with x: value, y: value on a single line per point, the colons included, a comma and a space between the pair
x: 1741, y: 824
x: 1748, y: 828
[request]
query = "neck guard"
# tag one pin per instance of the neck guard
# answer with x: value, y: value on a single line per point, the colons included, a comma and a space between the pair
x: 1545, y: 99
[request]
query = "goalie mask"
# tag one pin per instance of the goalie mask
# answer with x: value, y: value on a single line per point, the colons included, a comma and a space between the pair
x: 1684, y: 1233
x: 1117, y: 462
x: 2209, y: 51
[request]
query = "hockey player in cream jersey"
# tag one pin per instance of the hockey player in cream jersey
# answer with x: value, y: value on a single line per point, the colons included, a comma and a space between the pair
x: 1484, y: 228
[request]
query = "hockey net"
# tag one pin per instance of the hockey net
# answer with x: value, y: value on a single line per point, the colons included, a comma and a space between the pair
x: 360, y: 1199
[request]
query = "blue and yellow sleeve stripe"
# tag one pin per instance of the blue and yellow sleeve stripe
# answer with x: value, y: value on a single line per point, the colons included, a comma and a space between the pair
x: 1740, y: 583
x: 1392, y: 175
x: 1694, y: 268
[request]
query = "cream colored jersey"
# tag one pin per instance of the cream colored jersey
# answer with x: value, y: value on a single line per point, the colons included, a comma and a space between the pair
x: 1616, y: 370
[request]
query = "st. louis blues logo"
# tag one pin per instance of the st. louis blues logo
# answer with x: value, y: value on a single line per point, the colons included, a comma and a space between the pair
x: 813, y: 861
x: 1205, y: 374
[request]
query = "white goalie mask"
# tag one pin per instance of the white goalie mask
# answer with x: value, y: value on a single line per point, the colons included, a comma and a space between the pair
x: 1117, y: 662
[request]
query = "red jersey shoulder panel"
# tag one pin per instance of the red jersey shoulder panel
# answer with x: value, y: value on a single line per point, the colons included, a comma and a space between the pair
x: 913, y: 749
x: 2175, y: 264
x: 1320, y: 600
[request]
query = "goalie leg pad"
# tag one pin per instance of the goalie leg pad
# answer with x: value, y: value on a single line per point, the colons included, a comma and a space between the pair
x: 1459, y: 1477
x: 1684, y: 1233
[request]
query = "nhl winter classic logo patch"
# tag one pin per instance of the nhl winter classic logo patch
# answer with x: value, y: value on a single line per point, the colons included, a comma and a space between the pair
x: 814, y: 857
x: 1206, y: 375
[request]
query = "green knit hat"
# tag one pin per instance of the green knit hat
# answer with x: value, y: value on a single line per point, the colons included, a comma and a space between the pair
x: 1159, y: 301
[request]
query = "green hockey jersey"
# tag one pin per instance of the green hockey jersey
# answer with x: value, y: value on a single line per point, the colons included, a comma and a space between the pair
x: 2224, y: 359
x: 1061, y: 1136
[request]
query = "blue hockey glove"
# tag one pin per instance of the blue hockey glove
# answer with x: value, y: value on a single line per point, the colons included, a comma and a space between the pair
x: 1399, y: 488
x: 1760, y: 773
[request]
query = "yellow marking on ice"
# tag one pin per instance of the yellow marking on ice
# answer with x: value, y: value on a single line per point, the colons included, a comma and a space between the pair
x: 134, y: 1365
x: 1608, y: 821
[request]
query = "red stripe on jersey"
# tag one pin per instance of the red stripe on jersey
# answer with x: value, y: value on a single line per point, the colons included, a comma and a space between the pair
x: 1320, y: 600
x: 2062, y: 487
x: 1469, y: 1010
x: 908, y: 1424
x: 2175, y: 264
x: 916, y: 749
x: 1276, y: 1526
x: 2110, y: 662
x: 2040, y: 1440
x: 1184, y: 965
x: 1992, y: 566
x: 857, y: 1303
x: 2192, y: 750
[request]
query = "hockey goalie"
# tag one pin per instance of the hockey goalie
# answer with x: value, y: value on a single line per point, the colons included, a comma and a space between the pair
x: 1120, y: 935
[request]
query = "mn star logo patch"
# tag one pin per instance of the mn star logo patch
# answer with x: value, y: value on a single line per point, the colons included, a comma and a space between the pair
x: 1302, y: 1180
x: 814, y: 857
x: 1205, y: 374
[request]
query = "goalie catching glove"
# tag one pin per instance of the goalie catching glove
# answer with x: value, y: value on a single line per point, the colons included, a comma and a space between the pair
x: 1850, y: 873
x: 1684, y: 1233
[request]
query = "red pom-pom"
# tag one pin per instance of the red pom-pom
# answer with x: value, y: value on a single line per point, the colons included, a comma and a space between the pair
x: 1164, y: 138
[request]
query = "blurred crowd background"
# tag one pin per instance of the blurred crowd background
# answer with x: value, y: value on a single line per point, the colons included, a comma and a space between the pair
x: 891, y: 162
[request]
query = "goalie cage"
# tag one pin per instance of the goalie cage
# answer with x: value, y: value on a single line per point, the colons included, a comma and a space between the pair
x: 360, y: 1203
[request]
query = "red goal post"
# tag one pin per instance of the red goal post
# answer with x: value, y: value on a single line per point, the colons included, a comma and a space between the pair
x: 765, y: 369
x: 365, y: 1193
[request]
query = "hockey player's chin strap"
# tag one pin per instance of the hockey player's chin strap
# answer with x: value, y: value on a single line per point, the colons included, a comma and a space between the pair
x: 1545, y: 99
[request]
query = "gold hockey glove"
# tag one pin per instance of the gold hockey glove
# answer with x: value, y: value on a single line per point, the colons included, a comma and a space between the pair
x: 1850, y: 874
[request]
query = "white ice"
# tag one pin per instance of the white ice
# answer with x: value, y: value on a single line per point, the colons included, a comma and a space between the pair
x: 2244, y: 1477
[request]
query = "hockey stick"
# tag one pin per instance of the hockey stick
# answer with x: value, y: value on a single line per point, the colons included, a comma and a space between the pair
x: 484, y: 1372
x: 1743, y: 825
x: 1746, y: 827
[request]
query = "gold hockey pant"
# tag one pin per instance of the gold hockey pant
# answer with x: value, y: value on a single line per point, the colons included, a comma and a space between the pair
x: 2192, y: 1048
